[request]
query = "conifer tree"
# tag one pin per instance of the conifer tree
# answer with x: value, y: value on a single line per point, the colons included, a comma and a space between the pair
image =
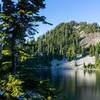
x: 18, y: 19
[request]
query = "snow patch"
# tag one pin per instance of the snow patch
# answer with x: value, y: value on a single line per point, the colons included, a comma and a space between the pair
x: 79, y: 63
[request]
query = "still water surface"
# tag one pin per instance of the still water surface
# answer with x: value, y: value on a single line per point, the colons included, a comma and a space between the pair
x: 74, y: 84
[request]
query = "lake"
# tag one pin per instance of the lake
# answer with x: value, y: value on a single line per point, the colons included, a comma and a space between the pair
x: 74, y: 84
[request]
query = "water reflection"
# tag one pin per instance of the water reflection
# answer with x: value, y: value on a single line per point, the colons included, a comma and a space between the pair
x: 76, y: 85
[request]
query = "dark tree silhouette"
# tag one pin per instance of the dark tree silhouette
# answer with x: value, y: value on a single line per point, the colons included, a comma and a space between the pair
x: 19, y: 19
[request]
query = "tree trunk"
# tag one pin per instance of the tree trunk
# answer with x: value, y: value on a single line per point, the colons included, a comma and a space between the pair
x: 13, y: 58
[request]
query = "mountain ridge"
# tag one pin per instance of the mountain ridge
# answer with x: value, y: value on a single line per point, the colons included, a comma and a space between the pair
x: 69, y: 39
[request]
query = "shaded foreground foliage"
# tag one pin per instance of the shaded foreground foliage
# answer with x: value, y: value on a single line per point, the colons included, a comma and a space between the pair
x: 18, y: 21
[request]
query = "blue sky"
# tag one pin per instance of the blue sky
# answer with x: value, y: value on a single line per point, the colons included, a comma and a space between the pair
x: 58, y: 11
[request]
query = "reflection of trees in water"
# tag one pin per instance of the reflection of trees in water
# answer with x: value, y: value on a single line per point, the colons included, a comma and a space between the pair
x: 82, y: 77
x: 77, y: 85
x: 98, y: 78
x: 86, y: 78
x: 86, y: 86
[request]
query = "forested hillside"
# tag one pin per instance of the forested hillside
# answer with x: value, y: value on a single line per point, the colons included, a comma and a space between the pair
x: 69, y: 39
